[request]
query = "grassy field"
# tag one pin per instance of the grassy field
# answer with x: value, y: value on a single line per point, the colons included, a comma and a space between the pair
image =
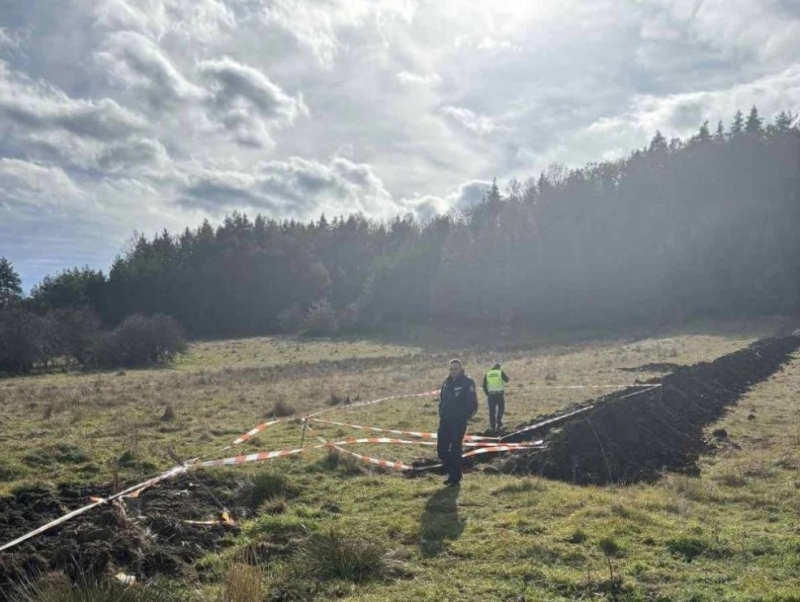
x: 731, y: 534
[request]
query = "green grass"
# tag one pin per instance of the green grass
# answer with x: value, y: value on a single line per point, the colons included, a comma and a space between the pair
x: 730, y: 534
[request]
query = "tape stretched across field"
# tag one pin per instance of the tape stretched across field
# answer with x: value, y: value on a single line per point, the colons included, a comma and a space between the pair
x: 484, y: 445
x: 148, y: 483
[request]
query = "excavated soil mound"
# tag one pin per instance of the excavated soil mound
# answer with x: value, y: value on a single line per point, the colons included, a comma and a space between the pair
x: 149, y: 537
x: 628, y: 438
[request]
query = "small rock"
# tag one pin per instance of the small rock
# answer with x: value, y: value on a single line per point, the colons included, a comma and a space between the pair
x: 720, y: 433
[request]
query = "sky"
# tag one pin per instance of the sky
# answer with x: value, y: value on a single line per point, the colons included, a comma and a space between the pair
x: 123, y: 116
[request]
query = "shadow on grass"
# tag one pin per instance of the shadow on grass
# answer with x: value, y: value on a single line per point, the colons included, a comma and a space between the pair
x: 440, y: 522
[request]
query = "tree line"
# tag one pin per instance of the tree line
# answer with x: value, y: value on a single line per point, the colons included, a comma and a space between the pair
x: 702, y: 227
x: 34, y: 336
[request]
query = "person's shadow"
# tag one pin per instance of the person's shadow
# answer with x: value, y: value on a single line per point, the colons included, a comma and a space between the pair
x: 439, y: 521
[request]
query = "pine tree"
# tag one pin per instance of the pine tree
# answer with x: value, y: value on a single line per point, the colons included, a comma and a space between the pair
x: 719, y: 135
x: 493, y: 195
x: 737, y: 125
x: 658, y: 144
x: 10, y: 283
x: 755, y: 124
x: 704, y: 134
x: 784, y: 121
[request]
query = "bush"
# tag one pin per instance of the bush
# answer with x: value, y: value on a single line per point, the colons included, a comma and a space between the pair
x: 73, y: 333
x: 22, y: 340
x: 280, y: 409
x: 292, y: 319
x: 141, y: 341
x: 334, y: 555
x: 321, y: 320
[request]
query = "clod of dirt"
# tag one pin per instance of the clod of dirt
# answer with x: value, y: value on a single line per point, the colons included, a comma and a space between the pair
x: 148, y: 537
x: 720, y: 433
x: 634, y: 435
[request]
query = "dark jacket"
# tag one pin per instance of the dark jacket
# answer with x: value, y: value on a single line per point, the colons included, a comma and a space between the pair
x: 458, y: 399
x: 486, y: 387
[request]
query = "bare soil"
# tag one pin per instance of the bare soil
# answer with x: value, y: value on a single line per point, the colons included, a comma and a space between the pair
x: 634, y: 435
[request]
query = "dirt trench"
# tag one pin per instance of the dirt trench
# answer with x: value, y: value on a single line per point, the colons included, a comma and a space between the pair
x: 631, y: 436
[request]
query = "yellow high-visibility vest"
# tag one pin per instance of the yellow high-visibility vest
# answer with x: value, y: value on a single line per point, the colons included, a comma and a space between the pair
x: 494, y: 381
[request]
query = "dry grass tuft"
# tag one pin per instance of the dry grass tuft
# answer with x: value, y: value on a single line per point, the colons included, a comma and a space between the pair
x: 244, y: 583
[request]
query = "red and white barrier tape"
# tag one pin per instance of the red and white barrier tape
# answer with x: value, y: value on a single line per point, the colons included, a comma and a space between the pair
x: 243, y: 459
x: 264, y: 425
x: 620, y: 386
x: 500, y: 448
x: 46, y: 527
x: 372, y: 402
x: 539, y: 425
x: 419, y: 434
x: 375, y: 461
x: 256, y: 430
x: 488, y: 447
x: 390, y: 441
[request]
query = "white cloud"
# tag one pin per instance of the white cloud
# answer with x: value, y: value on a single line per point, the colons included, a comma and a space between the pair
x: 28, y: 183
x: 408, y: 78
x: 139, y: 63
x: 319, y: 26
x: 479, y: 124
x: 199, y: 21
x: 769, y: 29
x: 295, y: 187
x: 36, y: 106
x: 160, y: 112
x: 465, y: 196
x: 11, y: 40
x: 247, y: 102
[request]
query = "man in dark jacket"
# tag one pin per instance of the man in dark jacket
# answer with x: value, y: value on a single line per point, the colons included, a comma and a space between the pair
x: 494, y: 386
x: 458, y: 401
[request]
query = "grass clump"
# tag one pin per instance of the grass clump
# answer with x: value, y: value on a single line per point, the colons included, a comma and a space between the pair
x: 281, y: 409
x: 687, y: 548
x: 60, y: 589
x: 270, y: 485
x: 690, y: 547
x: 335, y: 555
x: 577, y: 536
x: 344, y: 464
x: 244, y: 583
x: 326, y: 564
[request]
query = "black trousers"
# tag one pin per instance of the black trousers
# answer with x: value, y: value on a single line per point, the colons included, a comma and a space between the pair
x: 448, y: 446
x: 497, y: 405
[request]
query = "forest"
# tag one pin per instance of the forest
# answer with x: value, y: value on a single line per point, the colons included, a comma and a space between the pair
x: 705, y: 227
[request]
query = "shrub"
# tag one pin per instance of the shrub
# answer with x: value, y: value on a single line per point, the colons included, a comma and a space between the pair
x: 334, y: 555
x: 321, y: 320
x: 141, y: 341
x: 22, y: 340
x: 73, y: 333
x: 348, y: 318
x: 280, y: 409
x: 292, y: 319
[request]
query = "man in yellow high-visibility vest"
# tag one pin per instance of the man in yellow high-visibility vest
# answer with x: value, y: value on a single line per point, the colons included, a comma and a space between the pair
x: 494, y: 386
